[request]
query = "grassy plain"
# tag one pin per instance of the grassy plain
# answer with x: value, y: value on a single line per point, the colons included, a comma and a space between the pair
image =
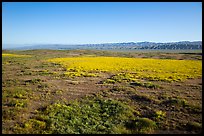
x: 84, y: 91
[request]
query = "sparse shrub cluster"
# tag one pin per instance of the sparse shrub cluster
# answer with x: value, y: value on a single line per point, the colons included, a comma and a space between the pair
x: 175, y: 101
x: 145, y: 125
x: 195, y: 126
x: 141, y: 97
x: 33, y: 81
x: 79, y: 74
x: 90, y: 115
x: 146, y: 84
x: 45, y: 72
x: 159, y: 115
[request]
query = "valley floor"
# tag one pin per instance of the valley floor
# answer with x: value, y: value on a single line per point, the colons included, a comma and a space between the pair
x: 38, y: 98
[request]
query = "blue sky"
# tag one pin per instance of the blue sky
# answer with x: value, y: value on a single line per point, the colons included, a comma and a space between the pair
x: 100, y: 22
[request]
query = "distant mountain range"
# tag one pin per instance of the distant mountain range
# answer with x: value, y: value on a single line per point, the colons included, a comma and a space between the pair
x: 183, y: 45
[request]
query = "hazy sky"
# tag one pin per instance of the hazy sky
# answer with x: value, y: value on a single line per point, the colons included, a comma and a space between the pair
x: 100, y: 22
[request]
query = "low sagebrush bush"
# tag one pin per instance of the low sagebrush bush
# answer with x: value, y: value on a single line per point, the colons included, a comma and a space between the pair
x: 145, y: 125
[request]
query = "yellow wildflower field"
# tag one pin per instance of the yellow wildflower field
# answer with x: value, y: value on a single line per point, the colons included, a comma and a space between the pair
x: 14, y: 55
x: 137, y: 68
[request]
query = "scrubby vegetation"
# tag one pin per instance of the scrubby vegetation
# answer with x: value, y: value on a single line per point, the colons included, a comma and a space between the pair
x: 101, y: 92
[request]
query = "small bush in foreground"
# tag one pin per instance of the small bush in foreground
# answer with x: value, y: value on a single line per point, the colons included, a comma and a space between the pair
x: 195, y: 126
x: 92, y: 115
x: 144, y: 125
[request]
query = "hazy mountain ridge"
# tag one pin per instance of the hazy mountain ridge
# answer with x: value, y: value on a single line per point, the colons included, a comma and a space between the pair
x: 119, y: 46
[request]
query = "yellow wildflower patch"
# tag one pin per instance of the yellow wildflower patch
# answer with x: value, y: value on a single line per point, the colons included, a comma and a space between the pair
x: 14, y: 55
x: 137, y: 68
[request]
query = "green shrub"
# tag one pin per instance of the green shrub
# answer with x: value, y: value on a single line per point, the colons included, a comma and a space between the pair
x: 150, y: 85
x: 145, y: 125
x: 90, y: 115
x: 37, y: 124
x: 175, y: 101
x: 136, y: 84
x: 159, y: 114
x: 118, y: 89
x: 195, y: 109
x: 33, y: 81
x: 43, y: 85
x: 147, y: 84
x: 109, y: 81
x: 17, y: 103
x: 194, y: 126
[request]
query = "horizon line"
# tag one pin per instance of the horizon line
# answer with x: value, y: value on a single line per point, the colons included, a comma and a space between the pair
x: 99, y: 43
